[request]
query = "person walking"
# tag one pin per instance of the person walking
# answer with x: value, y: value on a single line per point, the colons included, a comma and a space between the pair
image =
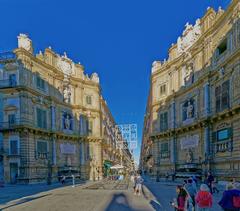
x: 180, y: 204
x: 214, y: 187
x: 231, y: 198
x: 191, y: 189
x: 210, y: 180
x: 138, y: 188
x: 203, y: 199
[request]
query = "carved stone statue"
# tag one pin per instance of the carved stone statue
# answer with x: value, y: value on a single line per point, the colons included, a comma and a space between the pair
x: 189, y: 36
x: 24, y: 42
x: 189, y: 110
x: 67, y: 95
x: 67, y: 122
x: 189, y: 156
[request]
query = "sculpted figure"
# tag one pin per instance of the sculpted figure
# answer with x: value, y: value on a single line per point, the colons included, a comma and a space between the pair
x: 189, y: 110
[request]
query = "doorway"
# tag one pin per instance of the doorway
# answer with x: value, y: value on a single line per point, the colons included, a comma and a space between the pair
x: 1, y: 170
x: 13, y: 172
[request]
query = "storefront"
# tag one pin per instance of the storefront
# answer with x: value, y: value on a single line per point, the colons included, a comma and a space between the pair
x: 106, y: 167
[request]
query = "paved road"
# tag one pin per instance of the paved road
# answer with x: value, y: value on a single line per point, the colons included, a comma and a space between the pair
x: 97, y: 196
x: 164, y: 192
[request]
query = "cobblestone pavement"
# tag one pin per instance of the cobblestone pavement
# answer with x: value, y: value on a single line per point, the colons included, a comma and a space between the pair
x: 95, y: 196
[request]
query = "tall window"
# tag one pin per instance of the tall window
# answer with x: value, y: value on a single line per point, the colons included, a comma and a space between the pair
x: 41, y: 118
x: 163, y: 89
x: 89, y: 100
x: 13, y: 149
x: 11, y: 119
x: 164, y: 121
x: 222, y: 140
x: 42, y: 149
x: 83, y: 124
x: 12, y: 79
x: 222, y: 96
x: 164, y: 150
x: 222, y: 47
x: 40, y: 83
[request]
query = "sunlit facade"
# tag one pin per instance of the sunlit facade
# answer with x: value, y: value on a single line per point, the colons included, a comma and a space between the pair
x: 192, y: 121
x: 51, y: 118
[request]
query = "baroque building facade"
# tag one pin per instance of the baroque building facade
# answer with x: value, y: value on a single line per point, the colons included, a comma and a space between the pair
x: 51, y: 118
x: 192, y: 120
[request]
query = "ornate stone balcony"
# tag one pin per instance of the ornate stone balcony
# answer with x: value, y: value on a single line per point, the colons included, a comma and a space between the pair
x: 8, y: 83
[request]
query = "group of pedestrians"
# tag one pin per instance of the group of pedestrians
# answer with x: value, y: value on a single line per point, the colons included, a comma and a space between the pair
x: 189, y: 198
x: 137, y: 181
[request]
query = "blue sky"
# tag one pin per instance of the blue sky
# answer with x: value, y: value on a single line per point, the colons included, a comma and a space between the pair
x: 118, y: 39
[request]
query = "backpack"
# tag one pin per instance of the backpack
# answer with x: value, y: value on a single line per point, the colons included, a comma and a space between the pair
x: 236, y: 201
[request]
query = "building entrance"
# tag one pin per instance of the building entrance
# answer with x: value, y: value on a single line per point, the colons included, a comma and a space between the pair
x: 13, y: 172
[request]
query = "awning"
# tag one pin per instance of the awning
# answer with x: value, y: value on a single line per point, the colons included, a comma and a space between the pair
x: 107, y: 164
x: 117, y: 167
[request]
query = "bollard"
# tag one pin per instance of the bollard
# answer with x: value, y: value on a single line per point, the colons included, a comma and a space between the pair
x: 73, y: 181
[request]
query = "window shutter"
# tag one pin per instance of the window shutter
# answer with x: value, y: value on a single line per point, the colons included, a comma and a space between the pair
x: 71, y: 123
x: 230, y: 132
x: 44, y: 123
x: 218, y: 98
x: 39, y: 118
x: 214, y: 136
x: 225, y: 95
x: 38, y: 82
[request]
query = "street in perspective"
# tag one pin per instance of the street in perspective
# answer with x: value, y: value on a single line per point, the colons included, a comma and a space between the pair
x: 149, y: 121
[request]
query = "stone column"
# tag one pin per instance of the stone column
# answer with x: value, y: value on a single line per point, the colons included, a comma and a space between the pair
x: 53, y: 117
x: 173, y: 150
x: 206, y: 142
x: 206, y: 99
x: 54, y: 157
x: 173, y: 115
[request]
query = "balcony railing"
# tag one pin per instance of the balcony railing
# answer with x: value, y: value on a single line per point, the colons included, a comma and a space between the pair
x: 165, y: 154
x: 223, y: 146
x: 8, y: 83
x: 17, y: 122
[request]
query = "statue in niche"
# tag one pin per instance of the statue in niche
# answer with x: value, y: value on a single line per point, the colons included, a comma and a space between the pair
x: 67, y: 95
x: 67, y: 122
x: 188, y: 74
x: 189, y: 110
x: 189, y: 156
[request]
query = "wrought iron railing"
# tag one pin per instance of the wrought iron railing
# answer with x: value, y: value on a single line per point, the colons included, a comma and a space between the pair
x: 223, y: 146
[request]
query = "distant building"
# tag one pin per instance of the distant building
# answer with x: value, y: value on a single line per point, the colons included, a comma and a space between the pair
x: 51, y: 118
x: 192, y: 120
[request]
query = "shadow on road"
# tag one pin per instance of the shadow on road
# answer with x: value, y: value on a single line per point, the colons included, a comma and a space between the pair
x: 120, y: 202
x: 14, y: 192
x: 24, y: 200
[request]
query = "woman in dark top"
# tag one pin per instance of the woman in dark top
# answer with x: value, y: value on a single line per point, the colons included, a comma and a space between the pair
x: 182, y: 195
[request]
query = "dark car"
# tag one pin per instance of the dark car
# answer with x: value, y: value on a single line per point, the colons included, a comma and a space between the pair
x: 68, y: 174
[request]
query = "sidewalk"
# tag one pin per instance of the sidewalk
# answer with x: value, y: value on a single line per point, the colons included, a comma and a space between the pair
x: 13, y: 194
x: 169, y: 182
